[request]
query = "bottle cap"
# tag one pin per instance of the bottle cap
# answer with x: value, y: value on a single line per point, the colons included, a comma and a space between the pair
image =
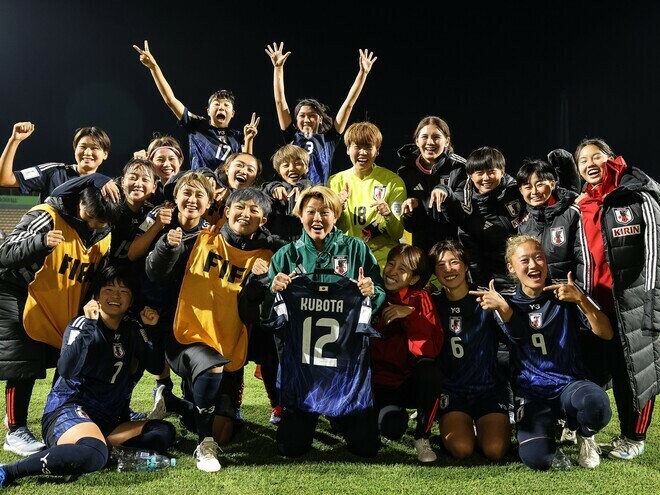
x: 172, y: 462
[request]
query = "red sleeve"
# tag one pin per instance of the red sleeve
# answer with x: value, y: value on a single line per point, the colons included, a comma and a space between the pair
x: 423, y: 327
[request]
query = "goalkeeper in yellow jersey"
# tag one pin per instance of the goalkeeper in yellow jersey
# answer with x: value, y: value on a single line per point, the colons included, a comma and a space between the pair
x: 371, y: 195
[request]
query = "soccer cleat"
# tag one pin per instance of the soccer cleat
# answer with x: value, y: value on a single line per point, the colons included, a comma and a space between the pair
x: 22, y: 442
x: 561, y: 462
x: 425, y: 453
x: 568, y: 436
x: 276, y: 415
x: 588, y: 452
x: 626, y: 449
x: 613, y: 443
x: 206, y: 454
x: 159, y: 410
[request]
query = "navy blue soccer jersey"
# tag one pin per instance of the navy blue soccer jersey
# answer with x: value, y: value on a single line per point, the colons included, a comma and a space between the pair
x: 544, y: 337
x: 209, y: 146
x: 96, y: 364
x: 44, y: 178
x: 125, y: 230
x: 324, y: 363
x: 469, y: 354
x: 321, y: 148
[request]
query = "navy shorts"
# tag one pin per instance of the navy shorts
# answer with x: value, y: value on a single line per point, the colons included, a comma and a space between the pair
x: 56, y: 423
x: 495, y: 401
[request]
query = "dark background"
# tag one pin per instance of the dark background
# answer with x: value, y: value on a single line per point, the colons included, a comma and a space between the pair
x: 523, y: 78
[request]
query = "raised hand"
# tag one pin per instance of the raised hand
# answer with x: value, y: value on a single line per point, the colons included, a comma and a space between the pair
x: 146, y: 57
x: 566, y: 292
x: 111, y: 192
x: 365, y: 284
x: 281, y: 281
x: 91, y: 310
x: 149, y: 316
x: 490, y: 299
x: 409, y: 205
x: 175, y: 237
x: 22, y: 131
x: 367, y: 59
x: 275, y: 54
x: 437, y: 198
x: 395, y: 311
x: 250, y: 130
x: 382, y: 207
x: 260, y: 267
x: 344, y: 194
x: 54, y: 238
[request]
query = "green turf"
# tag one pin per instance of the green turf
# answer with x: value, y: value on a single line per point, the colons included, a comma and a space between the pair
x: 251, y: 465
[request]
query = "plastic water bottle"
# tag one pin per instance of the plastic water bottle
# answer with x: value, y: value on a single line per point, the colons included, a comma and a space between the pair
x: 132, y: 459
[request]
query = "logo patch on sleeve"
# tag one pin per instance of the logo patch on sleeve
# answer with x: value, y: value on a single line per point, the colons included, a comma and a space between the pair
x: 627, y: 230
x: 30, y: 173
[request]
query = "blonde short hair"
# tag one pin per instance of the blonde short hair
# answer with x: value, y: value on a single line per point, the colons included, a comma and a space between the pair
x: 326, y: 195
x: 289, y: 153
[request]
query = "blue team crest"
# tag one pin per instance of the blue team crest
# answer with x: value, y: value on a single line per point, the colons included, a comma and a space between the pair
x: 557, y: 236
x: 118, y: 350
x: 340, y: 264
x: 455, y: 324
x: 623, y: 215
x: 513, y: 207
x: 535, y: 320
x: 379, y: 192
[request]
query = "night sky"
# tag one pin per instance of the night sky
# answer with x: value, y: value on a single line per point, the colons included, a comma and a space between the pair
x: 523, y: 79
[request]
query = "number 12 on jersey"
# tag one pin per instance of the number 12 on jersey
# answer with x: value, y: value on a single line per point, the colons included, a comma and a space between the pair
x: 313, y: 353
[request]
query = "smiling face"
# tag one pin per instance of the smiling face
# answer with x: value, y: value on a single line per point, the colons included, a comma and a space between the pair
x: 362, y: 157
x: 220, y: 112
x: 451, y: 271
x: 242, y: 171
x: 292, y: 171
x: 244, y: 217
x: 308, y: 119
x: 591, y: 162
x: 318, y: 220
x: 89, y: 155
x: 192, y: 202
x: 529, y: 266
x: 115, y: 299
x: 431, y: 143
x: 486, y: 180
x: 167, y: 162
x: 537, y: 191
x: 138, y: 185
x: 397, y: 276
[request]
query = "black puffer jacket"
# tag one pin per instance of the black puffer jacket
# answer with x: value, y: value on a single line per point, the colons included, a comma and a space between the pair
x: 630, y: 222
x: 557, y: 227
x: 419, y: 185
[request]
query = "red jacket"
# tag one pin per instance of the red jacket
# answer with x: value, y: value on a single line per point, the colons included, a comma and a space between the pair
x: 405, y: 340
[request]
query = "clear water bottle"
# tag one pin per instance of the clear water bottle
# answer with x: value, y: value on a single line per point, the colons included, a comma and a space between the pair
x: 132, y: 459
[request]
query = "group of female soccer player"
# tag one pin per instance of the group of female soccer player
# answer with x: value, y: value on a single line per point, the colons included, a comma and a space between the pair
x: 450, y: 289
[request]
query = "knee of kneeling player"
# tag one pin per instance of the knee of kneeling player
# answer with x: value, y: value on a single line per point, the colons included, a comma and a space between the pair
x: 95, y: 456
x: 392, y: 422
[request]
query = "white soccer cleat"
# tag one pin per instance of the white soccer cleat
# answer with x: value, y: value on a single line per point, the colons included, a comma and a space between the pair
x: 206, y: 454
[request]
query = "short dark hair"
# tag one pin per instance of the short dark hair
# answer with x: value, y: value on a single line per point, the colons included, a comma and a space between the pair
x: 100, y: 208
x: 541, y: 168
x: 452, y: 245
x: 140, y: 163
x: 484, y: 158
x: 222, y: 169
x: 250, y: 193
x: 598, y: 143
x: 112, y: 273
x: 414, y: 259
x: 96, y: 133
x: 222, y: 94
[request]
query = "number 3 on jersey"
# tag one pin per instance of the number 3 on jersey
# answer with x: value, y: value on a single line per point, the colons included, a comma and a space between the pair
x: 322, y: 341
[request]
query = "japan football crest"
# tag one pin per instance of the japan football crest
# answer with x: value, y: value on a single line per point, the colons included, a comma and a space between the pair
x: 379, y: 192
x: 623, y: 215
x: 557, y: 236
x: 340, y: 264
x: 118, y: 350
x: 535, y: 320
x: 513, y: 208
x: 455, y: 324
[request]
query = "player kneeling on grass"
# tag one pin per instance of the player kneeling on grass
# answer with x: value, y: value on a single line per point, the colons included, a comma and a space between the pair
x: 405, y: 373
x: 87, y: 409
x: 543, y: 325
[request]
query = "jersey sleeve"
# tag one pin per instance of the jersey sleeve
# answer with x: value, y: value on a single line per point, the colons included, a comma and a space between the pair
x: 423, y: 328
x: 191, y: 122
x: 35, y: 179
x: 394, y: 222
x: 76, y: 341
x: 26, y: 245
x: 77, y: 184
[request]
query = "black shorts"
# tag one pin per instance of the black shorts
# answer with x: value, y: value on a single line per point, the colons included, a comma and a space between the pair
x: 190, y: 361
x: 495, y: 401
